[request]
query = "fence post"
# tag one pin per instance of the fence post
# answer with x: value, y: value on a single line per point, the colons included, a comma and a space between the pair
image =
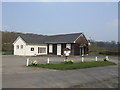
x: 96, y: 58
x: 48, y: 61
x: 82, y: 58
x: 107, y: 58
x: 27, y: 63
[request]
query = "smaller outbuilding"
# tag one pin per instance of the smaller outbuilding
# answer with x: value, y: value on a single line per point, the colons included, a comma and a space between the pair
x: 54, y: 45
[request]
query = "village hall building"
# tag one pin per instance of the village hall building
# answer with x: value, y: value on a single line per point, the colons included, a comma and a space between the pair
x: 54, y: 45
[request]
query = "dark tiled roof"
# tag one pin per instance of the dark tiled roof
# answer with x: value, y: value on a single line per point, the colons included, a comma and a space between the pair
x: 33, y: 39
x: 63, y: 38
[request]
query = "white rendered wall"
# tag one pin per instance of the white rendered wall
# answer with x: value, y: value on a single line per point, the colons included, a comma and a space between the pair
x: 19, y: 51
x: 35, y: 52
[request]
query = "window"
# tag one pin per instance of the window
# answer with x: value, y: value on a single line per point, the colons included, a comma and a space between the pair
x: 41, y: 50
x: 17, y: 46
x: 21, y: 46
x: 32, y: 49
x: 50, y: 48
x: 68, y: 46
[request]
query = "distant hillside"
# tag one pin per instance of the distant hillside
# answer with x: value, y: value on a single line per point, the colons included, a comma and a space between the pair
x: 104, y: 48
x: 9, y: 37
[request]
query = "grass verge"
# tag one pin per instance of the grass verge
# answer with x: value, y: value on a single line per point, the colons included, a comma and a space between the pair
x: 7, y: 53
x: 74, y: 65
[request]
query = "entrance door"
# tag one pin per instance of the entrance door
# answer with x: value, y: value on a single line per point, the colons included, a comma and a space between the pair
x: 82, y: 50
x: 58, y: 49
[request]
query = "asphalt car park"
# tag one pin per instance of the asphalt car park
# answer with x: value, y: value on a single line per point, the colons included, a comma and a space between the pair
x: 15, y: 74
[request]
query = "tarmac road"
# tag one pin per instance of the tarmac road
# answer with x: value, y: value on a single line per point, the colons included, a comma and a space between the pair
x: 17, y: 75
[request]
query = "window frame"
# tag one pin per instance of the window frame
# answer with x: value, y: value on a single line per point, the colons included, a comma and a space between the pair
x: 17, y: 46
x: 21, y: 46
x: 32, y: 49
x: 42, y: 51
x: 50, y: 48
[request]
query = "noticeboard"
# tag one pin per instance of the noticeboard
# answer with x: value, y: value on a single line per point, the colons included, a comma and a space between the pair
x: 67, y: 53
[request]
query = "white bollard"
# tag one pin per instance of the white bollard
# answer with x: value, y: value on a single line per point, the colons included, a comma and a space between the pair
x: 107, y: 58
x: 96, y: 58
x: 27, y: 63
x: 82, y: 59
x: 48, y: 61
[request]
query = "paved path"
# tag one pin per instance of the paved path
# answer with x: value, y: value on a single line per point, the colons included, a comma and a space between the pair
x: 17, y: 75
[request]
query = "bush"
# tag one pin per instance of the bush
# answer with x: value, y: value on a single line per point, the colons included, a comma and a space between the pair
x: 34, y: 62
x: 105, y: 59
x: 68, y: 61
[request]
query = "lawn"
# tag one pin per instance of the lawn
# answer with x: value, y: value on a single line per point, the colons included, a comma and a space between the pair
x: 75, y: 65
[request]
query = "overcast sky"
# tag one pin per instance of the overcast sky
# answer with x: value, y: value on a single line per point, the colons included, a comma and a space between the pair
x: 96, y: 20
